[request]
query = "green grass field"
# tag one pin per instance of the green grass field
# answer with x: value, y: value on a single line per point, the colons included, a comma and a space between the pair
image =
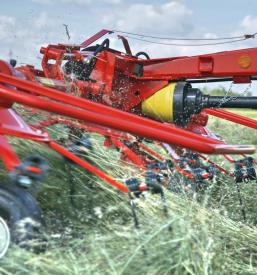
x: 204, y: 232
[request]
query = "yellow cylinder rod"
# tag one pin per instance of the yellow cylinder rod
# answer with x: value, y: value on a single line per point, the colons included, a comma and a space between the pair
x: 160, y: 104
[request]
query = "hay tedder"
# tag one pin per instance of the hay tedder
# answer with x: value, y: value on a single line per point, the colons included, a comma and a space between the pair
x: 131, y: 100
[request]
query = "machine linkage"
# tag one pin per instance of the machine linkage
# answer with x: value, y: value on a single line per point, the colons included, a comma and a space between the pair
x: 128, y: 98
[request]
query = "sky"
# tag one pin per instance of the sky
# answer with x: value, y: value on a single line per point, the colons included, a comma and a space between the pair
x: 26, y: 25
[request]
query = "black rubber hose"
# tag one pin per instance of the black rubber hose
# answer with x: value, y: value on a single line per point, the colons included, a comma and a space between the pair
x: 144, y: 54
x: 104, y: 44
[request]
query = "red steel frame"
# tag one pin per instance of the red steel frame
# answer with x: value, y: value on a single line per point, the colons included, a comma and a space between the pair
x: 112, y: 138
x: 115, y: 84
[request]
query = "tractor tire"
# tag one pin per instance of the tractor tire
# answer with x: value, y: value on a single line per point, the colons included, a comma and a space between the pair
x: 23, y: 217
x: 4, y: 237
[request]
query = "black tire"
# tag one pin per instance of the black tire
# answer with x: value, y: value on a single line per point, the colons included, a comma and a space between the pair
x: 23, y: 216
x: 4, y: 237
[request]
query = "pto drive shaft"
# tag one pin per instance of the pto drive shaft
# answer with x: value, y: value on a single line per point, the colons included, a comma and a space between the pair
x: 232, y: 102
x: 177, y: 102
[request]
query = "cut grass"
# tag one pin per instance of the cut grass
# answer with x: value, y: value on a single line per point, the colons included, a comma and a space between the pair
x: 203, y: 233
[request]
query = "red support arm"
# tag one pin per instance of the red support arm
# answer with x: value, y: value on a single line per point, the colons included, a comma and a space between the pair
x: 216, y: 165
x: 252, y: 123
x: 8, y: 155
x: 239, y: 63
x: 110, y: 117
x: 151, y: 152
x: 130, y: 154
x: 95, y: 37
x: 88, y: 166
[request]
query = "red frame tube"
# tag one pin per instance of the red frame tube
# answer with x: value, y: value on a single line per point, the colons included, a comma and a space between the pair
x: 88, y: 166
x: 113, y: 118
x: 252, y: 123
x: 8, y: 155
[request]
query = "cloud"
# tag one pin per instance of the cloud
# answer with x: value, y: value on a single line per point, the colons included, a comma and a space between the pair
x: 249, y: 24
x: 7, y: 25
x: 21, y: 39
x: 42, y: 20
x: 171, y: 17
x: 76, y: 2
x: 43, y: 2
x: 51, y: 2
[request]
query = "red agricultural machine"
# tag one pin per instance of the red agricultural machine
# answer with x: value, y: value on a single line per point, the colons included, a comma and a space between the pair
x: 129, y: 99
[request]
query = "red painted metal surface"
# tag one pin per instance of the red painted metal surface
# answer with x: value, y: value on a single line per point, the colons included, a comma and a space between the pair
x: 216, y: 165
x: 87, y: 166
x: 112, y: 96
x: 156, y: 130
x: 151, y: 152
x: 8, y: 155
x: 103, y: 115
x: 13, y: 125
x: 249, y: 122
x: 128, y: 153
x: 220, y: 64
x: 114, y: 138
x: 95, y: 37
